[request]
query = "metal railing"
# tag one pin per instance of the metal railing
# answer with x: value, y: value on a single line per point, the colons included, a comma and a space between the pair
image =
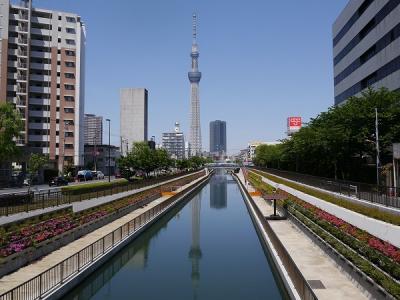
x: 24, y: 202
x: 300, y: 283
x: 384, y: 195
x: 49, y: 280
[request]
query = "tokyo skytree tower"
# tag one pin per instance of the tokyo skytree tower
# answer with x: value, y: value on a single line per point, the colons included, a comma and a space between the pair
x: 194, y: 78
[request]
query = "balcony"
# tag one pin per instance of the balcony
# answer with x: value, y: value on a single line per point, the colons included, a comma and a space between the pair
x: 43, y: 78
x: 38, y: 126
x: 40, y: 43
x: 40, y: 31
x: 39, y: 101
x: 38, y: 54
x: 39, y: 89
x: 39, y: 113
x: 38, y: 66
x: 38, y: 138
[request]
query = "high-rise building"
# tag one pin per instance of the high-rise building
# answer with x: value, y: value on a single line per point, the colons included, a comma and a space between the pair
x: 366, y: 47
x: 42, y: 72
x: 194, y: 78
x: 93, y: 129
x: 133, y: 116
x: 174, y: 142
x: 218, y: 137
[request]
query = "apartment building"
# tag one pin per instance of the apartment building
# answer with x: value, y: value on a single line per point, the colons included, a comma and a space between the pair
x: 42, y: 73
x: 93, y: 132
x: 366, y: 47
x: 174, y: 142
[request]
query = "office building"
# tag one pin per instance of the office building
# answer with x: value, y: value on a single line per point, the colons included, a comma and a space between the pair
x: 133, y: 116
x: 42, y: 72
x: 366, y: 47
x: 174, y: 143
x: 93, y: 134
x: 252, y: 146
x: 218, y: 137
x: 96, y: 158
x: 194, y: 78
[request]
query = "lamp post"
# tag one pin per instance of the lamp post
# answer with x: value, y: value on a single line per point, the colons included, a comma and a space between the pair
x: 377, y: 147
x: 109, y: 149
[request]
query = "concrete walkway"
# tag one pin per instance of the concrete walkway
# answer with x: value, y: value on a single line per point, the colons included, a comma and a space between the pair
x: 309, y: 258
x: 30, y: 271
x: 82, y: 205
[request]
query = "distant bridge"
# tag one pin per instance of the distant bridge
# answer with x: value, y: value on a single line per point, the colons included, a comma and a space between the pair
x: 222, y: 165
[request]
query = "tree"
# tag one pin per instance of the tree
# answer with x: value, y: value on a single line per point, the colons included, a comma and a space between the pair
x: 35, y: 164
x: 10, y: 127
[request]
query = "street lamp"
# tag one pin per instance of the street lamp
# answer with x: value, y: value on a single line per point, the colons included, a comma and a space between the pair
x: 109, y: 149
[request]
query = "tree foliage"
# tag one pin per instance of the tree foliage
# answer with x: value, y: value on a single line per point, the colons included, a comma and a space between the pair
x: 340, y: 142
x: 10, y: 127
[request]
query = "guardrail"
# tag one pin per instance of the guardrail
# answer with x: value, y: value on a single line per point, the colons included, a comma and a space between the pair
x: 384, y: 195
x: 24, y: 202
x: 301, y: 284
x: 46, y: 282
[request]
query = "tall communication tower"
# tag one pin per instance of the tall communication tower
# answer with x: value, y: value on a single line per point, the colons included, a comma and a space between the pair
x: 194, y: 78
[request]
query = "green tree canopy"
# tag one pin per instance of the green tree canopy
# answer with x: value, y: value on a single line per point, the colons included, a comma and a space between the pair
x: 10, y: 127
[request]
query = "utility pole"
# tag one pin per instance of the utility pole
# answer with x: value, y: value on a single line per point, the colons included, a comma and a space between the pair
x: 109, y: 149
x: 377, y: 147
x: 95, y: 152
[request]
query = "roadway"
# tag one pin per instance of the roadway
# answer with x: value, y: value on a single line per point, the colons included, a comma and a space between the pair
x: 45, y: 187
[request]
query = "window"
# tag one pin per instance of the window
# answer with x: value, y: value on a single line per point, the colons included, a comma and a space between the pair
x: 59, y: 18
x: 69, y: 87
x: 70, y: 64
x: 70, y: 20
x: 70, y: 75
x: 69, y: 110
x: 59, y: 40
x: 69, y: 98
x: 69, y: 146
x: 59, y: 29
x: 69, y: 134
x: 68, y: 122
x: 70, y: 30
x: 70, y: 42
x: 69, y: 53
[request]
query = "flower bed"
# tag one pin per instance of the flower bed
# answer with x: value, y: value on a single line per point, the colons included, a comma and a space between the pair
x: 364, y: 210
x: 28, y: 235
x: 370, y: 254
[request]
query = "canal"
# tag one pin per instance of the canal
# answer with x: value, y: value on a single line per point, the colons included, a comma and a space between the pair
x: 205, y: 248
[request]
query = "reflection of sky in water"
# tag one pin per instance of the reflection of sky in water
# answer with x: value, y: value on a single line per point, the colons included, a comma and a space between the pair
x: 193, y: 252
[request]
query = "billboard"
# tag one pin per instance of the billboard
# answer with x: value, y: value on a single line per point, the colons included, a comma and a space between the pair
x: 293, y: 124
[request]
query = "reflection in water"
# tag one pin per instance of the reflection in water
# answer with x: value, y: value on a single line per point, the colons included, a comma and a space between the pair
x: 195, y: 251
x: 218, y: 191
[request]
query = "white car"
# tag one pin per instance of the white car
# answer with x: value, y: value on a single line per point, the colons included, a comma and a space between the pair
x: 100, y: 175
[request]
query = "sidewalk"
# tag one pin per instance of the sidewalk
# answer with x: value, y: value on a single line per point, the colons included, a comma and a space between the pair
x: 85, y: 204
x: 30, y: 271
x: 317, y: 267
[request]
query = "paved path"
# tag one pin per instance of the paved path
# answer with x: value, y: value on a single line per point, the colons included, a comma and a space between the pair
x: 85, y: 204
x: 309, y: 258
x: 28, y: 272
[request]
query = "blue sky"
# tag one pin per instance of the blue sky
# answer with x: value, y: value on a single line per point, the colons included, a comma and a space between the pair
x: 261, y: 60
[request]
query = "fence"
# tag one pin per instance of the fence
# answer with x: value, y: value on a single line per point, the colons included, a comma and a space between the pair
x: 24, y: 202
x: 384, y: 195
x: 49, y: 280
x: 301, y: 284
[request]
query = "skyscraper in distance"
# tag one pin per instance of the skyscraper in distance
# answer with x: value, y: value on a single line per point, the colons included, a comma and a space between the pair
x: 194, y: 78
x: 93, y: 131
x: 218, y: 137
x: 133, y: 116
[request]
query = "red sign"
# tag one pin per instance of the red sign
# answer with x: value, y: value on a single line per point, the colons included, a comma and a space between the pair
x: 294, y: 121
